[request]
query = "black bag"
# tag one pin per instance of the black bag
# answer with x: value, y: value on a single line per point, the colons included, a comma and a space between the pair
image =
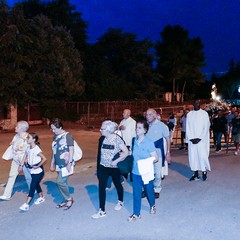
x: 125, y: 166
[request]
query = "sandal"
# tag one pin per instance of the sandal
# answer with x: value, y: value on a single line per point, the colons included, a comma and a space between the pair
x: 68, y: 204
x: 60, y: 205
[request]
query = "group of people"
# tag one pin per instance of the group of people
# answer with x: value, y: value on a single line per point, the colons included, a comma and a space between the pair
x: 147, y: 139
x: 28, y: 157
x: 144, y: 139
x: 222, y: 125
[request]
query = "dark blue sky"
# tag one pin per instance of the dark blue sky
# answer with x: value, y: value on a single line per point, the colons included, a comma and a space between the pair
x: 216, y: 22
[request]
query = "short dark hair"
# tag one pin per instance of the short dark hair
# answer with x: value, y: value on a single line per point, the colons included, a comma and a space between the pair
x: 35, y: 137
x: 144, y: 123
x: 56, y: 122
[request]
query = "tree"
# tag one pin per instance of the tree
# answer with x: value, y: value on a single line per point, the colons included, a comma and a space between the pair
x: 179, y: 58
x: 39, y: 62
x: 119, y: 57
x: 228, y: 83
x: 61, y: 13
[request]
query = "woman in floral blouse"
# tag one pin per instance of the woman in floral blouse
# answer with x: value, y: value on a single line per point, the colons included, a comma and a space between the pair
x: 62, y: 157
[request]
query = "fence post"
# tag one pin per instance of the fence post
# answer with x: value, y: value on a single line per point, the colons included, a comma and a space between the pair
x: 88, y: 121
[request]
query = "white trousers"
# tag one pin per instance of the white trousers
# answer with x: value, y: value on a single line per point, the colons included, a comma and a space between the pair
x: 12, y: 178
x: 158, y: 175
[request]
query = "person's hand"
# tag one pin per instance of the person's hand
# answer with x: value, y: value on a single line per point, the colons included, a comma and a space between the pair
x: 122, y: 127
x: 52, y: 168
x: 69, y: 165
x: 20, y: 168
x: 168, y: 157
x: 195, y: 140
x: 114, y: 163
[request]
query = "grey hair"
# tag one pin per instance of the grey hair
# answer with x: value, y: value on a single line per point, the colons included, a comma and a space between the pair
x: 153, y: 111
x: 110, y: 126
x: 24, y: 125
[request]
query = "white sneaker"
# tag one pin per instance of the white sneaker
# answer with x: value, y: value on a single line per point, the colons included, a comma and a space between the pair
x: 118, y: 206
x: 4, y: 198
x: 39, y: 200
x: 236, y: 153
x: 134, y: 218
x: 99, y: 214
x: 153, y: 210
x: 24, y: 207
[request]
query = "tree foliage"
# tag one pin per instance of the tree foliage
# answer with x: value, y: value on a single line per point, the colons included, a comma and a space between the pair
x: 38, y: 61
x: 61, y: 13
x: 121, y: 67
x: 228, y: 83
x: 179, y: 58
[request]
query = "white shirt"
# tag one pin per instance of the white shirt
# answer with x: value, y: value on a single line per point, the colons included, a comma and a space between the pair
x: 33, y: 158
x: 130, y: 130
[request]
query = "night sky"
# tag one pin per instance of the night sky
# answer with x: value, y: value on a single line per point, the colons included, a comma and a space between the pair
x: 216, y: 22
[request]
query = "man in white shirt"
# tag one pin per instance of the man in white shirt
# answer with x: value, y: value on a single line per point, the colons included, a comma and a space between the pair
x: 128, y: 128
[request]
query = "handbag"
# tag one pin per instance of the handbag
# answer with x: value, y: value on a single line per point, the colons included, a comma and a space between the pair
x: 77, y: 154
x: 125, y: 166
x: 8, y: 154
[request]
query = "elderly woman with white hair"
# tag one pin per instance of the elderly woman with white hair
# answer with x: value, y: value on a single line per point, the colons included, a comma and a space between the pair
x: 19, y: 146
x: 110, y: 144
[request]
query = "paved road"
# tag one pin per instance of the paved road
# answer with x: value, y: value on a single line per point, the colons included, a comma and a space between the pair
x: 185, y: 210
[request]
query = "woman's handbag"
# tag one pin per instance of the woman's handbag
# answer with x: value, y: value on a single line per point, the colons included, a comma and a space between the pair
x: 125, y: 166
x: 77, y: 154
x: 8, y: 154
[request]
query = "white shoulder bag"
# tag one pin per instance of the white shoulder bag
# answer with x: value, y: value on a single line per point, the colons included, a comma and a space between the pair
x: 8, y: 154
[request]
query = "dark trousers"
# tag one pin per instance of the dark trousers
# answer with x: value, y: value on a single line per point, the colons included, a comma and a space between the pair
x: 103, y: 174
x: 218, y: 137
x: 35, y: 184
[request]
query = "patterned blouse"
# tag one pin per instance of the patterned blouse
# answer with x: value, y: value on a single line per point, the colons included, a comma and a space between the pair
x: 60, y: 147
x: 109, y: 149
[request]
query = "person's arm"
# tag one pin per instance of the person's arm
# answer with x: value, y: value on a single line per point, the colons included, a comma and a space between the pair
x: 155, y: 155
x: 52, y: 166
x: 43, y: 160
x: 122, y: 156
x: 70, y: 161
x: 24, y: 160
x: 168, y: 155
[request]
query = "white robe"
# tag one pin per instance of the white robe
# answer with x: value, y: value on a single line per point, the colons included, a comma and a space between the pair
x: 198, y: 127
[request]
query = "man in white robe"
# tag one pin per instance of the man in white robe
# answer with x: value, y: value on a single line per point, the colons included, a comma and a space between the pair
x: 197, y: 137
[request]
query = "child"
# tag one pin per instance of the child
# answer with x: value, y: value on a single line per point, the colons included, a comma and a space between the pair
x: 34, y: 160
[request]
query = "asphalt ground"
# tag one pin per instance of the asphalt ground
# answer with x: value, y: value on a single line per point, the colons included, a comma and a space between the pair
x: 186, y: 210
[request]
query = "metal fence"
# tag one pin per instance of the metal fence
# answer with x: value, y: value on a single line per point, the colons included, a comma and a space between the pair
x: 93, y: 113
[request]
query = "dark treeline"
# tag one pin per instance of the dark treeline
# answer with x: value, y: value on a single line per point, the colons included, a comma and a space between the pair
x: 45, y: 58
x: 229, y: 82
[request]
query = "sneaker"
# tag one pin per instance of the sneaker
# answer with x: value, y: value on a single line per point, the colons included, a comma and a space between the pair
x: 153, y: 210
x: 118, y: 206
x: 194, y: 178
x: 39, y: 200
x: 204, y: 176
x: 24, y: 207
x: 134, y: 217
x: 236, y: 153
x: 4, y: 198
x: 99, y: 214
x: 218, y: 151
